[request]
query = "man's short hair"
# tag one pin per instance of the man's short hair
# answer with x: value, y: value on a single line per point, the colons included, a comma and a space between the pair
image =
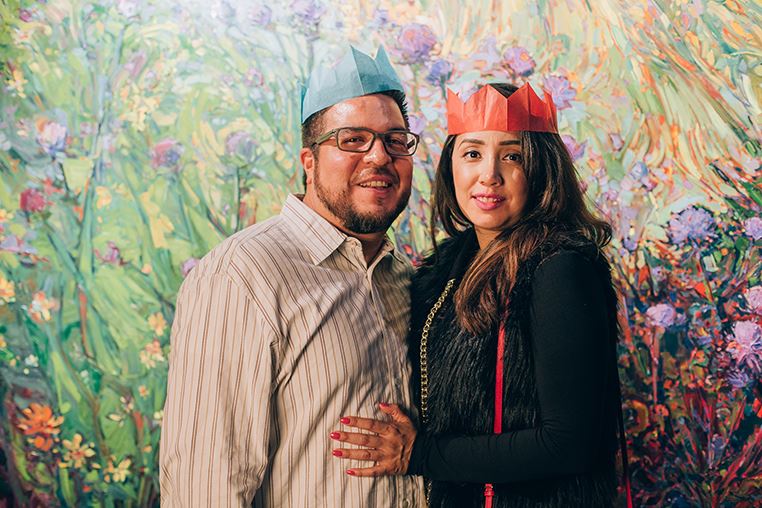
x: 312, y: 128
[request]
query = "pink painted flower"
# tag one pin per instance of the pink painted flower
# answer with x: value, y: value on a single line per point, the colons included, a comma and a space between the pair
x: 754, y: 299
x: 32, y: 200
x: 51, y: 136
x: 661, y: 314
x: 746, y: 346
x: 166, y: 153
x: 753, y: 228
x: 111, y: 255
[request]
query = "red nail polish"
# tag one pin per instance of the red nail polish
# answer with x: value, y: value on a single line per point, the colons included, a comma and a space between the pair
x: 335, y: 435
x: 383, y: 404
x: 344, y: 420
x: 338, y: 453
x: 350, y: 472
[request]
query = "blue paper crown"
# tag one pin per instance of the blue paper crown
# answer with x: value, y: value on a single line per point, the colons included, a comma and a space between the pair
x: 355, y: 75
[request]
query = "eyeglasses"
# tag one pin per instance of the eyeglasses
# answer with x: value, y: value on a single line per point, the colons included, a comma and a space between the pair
x: 397, y: 142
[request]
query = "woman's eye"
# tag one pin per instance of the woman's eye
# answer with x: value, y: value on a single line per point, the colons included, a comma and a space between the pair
x: 513, y: 157
x: 472, y: 154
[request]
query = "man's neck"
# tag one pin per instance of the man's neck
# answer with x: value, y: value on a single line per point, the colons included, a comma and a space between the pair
x: 371, y: 242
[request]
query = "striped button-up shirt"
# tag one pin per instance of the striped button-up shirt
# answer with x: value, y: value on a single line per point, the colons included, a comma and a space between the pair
x: 280, y: 331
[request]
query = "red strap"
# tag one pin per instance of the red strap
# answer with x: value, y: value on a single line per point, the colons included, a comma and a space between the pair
x: 498, y: 427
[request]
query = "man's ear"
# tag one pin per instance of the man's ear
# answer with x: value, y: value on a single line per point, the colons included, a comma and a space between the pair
x: 307, y: 157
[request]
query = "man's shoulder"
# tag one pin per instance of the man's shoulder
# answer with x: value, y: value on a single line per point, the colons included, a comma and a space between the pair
x: 255, y: 251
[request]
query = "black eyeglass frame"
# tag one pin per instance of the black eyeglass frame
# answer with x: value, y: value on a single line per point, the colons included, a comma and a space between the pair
x: 334, y: 134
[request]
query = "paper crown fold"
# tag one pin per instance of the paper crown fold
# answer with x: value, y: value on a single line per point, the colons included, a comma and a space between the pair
x: 489, y: 110
x: 354, y: 75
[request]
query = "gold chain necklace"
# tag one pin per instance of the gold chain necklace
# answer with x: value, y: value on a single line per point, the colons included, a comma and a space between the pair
x: 425, y: 364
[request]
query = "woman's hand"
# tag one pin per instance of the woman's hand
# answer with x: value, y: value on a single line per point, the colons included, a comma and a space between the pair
x: 389, y: 447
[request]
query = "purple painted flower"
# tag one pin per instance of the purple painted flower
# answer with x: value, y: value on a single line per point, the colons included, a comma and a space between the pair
x: 746, y: 346
x: 380, y: 17
x: 738, y: 379
x: 25, y: 15
x: 753, y: 228
x: 439, y: 72
x: 240, y: 143
x: 416, y: 42
x: 576, y: 150
x: 51, y: 136
x: 166, y: 154
x: 417, y: 123
x: 693, y: 223
x: 307, y: 12
x: 261, y: 15
x: 661, y: 314
x: 754, y: 299
x: 561, y: 90
x: 519, y: 60
x: 188, y: 265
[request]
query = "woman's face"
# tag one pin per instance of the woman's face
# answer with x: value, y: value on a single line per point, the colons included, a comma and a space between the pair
x: 489, y: 181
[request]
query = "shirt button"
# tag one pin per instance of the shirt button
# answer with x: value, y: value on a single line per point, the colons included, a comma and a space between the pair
x: 405, y: 503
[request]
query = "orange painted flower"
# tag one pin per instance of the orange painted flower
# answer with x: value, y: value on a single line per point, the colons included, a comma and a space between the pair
x: 38, y: 421
x: 117, y: 473
x: 41, y: 305
x: 157, y: 323
x: 151, y: 354
x: 7, y: 291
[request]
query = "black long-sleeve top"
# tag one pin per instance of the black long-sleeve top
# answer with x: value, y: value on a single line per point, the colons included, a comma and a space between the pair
x: 569, y: 323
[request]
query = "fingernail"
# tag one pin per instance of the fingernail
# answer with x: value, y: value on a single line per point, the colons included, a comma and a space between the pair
x: 383, y: 404
x: 344, y: 420
x: 335, y: 435
x: 337, y: 453
x: 350, y: 472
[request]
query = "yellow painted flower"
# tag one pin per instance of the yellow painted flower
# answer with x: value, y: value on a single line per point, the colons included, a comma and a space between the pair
x: 76, y: 453
x: 41, y: 306
x: 157, y: 323
x: 117, y: 473
x: 103, y: 197
x: 143, y: 391
x: 7, y: 291
x: 2, y: 341
x: 5, y: 216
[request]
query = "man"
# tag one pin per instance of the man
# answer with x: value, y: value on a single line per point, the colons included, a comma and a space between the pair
x: 293, y: 323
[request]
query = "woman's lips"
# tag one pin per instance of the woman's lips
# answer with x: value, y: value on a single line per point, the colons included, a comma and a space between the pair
x: 488, y: 201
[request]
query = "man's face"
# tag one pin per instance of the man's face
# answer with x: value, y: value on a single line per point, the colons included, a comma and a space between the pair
x: 359, y: 192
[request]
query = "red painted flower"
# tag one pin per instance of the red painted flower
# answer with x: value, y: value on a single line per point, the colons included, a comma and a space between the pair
x: 32, y: 200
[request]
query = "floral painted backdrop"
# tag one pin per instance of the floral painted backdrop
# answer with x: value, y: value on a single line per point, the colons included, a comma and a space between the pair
x: 137, y: 134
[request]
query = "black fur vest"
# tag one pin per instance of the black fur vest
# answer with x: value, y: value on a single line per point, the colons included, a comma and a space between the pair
x: 462, y: 379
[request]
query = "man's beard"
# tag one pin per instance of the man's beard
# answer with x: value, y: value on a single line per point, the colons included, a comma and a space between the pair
x: 340, y: 205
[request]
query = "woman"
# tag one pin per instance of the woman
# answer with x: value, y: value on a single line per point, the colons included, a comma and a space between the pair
x: 518, y: 301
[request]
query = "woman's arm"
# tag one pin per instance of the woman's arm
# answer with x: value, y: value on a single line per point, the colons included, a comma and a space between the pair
x: 569, y: 334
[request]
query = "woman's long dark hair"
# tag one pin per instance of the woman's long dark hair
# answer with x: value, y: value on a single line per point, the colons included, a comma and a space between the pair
x: 555, y: 209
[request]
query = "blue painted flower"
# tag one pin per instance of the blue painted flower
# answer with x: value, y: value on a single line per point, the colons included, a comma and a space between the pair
x: 738, y: 379
x: 561, y: 90
x: 519, y: 60
x: 693, y: 223
x: 439, y: 72
x: 416, y: 42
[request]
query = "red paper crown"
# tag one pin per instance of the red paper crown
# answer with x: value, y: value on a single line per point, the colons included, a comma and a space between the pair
x: 489, y: 110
